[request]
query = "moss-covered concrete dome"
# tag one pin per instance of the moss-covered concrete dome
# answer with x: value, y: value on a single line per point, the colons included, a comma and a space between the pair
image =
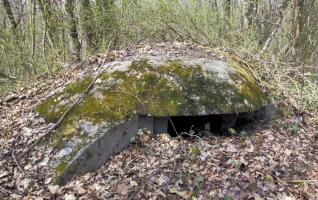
x: 177, y: 87
x: 146, y: 85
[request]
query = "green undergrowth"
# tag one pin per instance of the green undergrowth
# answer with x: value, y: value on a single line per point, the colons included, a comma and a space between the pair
x: 5, y: 88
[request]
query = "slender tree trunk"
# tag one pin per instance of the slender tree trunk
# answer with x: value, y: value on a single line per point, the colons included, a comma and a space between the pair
x: 86, y: 17
x: 274, y: 30
x: 298, y: 28
x: 72, y: 28
x: 213, y: 4
x: 47, y: 12
x: 304, y: 30
x: 18, y: 39
x: 227, y: 7
x: 64, y: 39
x: 4, y: 22
x: 8, y: 10
x: 32, y: 27
x: 251, y: 7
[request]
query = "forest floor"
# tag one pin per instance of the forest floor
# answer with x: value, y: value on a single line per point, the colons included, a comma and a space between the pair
x: 276, y: 161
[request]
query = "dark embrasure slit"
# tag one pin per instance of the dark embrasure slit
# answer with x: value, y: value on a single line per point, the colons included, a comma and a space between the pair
x: 216, y: 124
x: 194, y: 124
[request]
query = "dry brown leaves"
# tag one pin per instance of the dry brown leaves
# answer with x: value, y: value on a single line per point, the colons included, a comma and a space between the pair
x: 273, y: 163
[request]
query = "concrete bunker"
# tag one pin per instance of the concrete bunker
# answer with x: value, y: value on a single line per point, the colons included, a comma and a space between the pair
x: 161, y: 94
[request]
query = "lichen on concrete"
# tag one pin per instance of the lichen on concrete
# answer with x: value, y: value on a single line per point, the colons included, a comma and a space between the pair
x: 173, y: 87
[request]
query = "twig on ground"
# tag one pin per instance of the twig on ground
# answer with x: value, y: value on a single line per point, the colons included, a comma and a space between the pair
x: 248, y: 66
x: 284, y: 184
x: 3, y: 75
x: 191, y: 135
x: 5, y: 190
x: 305, y: 181
x: 16, y: 162
x: 124, y: 92
x: 174, y: 128
x: 238, y: 58
x: 58, y: 123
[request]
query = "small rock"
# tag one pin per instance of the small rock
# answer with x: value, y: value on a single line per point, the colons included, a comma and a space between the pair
x: 69, y: 197
x: 53, y: 189
x: 10, y: 97
x: 64, y: 152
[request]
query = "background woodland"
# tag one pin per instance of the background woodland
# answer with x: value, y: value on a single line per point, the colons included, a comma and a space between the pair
x: 280, y: 37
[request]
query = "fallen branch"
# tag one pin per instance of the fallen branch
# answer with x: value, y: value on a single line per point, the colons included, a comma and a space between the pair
x: 238, y: 58
x: 16, y: 162
x: 79, y: 99
x: 5, y: 190
x: 3, y: 81
x: 127, y: 93
x: 3, y: 75
x: 284, y: 184
x: 174, y: 128
x: 190, y: 135
x: 303, y: 181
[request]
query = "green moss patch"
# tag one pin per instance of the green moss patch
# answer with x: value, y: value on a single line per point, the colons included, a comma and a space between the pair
x: 170, y: 89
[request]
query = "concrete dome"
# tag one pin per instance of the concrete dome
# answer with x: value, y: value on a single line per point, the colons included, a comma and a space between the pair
x: 144, y: 92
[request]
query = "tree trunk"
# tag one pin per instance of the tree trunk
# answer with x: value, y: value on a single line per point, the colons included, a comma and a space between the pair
x: 32, y: 29
x: 251, y: 7
x: 274, y: 30
x: 301, y: 12
x: 47, y: 12
x: 72, y: 29
x: 8, y: 10
x: 86, y: 17
x: 303, y: 30
x: 227, y: 7
x: 297, y: 28
x: 214, y: 4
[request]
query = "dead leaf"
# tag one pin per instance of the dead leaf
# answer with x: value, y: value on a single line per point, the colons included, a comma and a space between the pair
x: 122, y: 189
x: 183, y: 194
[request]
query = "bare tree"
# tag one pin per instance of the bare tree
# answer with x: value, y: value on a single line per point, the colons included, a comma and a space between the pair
x: 33, y: 33
x: 250, y: 12
x: 47, y: 12
x: 72, y: 28
x: 86, y: 17
x: 8, y: 10
x: 298, y: 28
x: 303, y: 30
x: 282, y: 8
x: 213, y: 4
x: 227, y: 7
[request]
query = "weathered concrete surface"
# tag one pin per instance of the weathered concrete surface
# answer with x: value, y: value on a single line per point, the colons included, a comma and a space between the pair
x: 101, y: 149
x: 155, y: 125
x: 148, y: 90
x: 111, y: 141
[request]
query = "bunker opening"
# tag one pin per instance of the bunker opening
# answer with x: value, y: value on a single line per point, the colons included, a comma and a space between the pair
x: 201, y: 125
